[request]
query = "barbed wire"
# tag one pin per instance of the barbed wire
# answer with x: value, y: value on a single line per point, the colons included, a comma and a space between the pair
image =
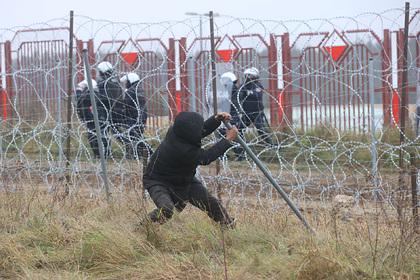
x: 317, y: 93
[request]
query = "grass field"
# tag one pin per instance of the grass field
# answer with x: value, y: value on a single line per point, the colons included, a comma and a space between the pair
x: 42, y: 237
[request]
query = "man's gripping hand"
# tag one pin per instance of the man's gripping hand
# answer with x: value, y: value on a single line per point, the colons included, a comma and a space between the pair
x: 223, y: 116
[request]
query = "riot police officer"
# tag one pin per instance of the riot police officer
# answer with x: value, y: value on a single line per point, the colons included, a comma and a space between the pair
x: 135, y: 116
x: 110, y: 105
x: 251, y: 105
x: 84, y: 112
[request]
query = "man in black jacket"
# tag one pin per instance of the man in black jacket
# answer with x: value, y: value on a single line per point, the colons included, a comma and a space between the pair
x: 170, y: 175
x: 110, y: 105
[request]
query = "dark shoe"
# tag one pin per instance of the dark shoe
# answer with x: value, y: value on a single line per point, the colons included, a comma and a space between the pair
x: 230, y: 224
x: 143, y: 224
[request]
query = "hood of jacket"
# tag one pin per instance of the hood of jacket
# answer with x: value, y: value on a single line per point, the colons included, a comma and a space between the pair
x: 189, y: 127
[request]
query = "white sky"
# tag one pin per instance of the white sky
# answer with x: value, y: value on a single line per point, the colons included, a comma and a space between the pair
x: 26, y: 12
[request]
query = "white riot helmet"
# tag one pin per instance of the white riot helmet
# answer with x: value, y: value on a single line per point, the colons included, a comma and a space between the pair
x: 129, y: 79
x: 105, y: 67
x: 84, y: 84
x: 252, y: 73
x: 228, y: 76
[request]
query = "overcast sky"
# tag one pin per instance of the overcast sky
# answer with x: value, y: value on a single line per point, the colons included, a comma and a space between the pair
x: 26, y: 12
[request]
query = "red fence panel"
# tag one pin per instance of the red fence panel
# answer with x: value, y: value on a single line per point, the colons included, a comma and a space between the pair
x: 36, y: 74
x: 333, y: 87
x: 9, y: 74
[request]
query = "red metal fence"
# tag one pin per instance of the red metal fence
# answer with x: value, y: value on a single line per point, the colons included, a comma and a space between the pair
x: 322, y: 81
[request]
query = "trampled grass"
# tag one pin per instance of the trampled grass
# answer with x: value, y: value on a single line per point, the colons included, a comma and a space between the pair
x: 83, y: 238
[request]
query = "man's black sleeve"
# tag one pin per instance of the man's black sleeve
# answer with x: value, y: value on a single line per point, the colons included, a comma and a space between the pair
x: 211, y: 154
x: 210, y: 125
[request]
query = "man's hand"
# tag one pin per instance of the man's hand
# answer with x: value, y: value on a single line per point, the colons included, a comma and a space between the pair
x: 223, y: 116
x: 232, y: 133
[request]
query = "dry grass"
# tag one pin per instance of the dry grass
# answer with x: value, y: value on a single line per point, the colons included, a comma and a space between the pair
x: 82, y: 238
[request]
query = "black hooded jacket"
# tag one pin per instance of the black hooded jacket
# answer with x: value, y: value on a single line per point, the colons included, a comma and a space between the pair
x: 176, y: 159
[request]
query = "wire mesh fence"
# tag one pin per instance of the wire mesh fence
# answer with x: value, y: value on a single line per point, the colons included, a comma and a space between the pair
x: 322, y: 101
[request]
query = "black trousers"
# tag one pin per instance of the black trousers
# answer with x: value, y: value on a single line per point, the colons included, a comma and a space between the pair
x: 93, y: 138
x: 137, y: 146
x: 167, y: 200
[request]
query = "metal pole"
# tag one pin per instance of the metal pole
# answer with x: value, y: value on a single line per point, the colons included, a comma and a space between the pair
x: 404, y: 109
x: 270, y: 178
x: 213, y: 64
x: 59, y: 121
x: 214, y: 89
x: 201, y: 33
x: 372, y: 121
x: 201, y: 72
x: 69, y: 94
x: 96, y: 120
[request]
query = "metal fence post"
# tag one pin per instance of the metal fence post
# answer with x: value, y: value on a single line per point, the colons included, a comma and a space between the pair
x: 171, y: 84
x: 97, y: 126
x: 372, y: 121
x: 404, y: 84
x: 69, y: 95
x: 59, y: 119
x: 272, y: 82
x: 386, y: 77
x: 9, y: 77
x: 183, y: 71
x: 287, y: 81
x: 214, y: 90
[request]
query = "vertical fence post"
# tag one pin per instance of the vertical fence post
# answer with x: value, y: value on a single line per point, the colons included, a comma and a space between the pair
x: 171, y: 79
x: 386, y: 77
x: 3, y: 98
x: 9, y: 76
x: 402, y: 41
x: 91, y: 53
x: 97, y: 126
x: 272, y: 82
x: 287, y: 80
x: 214, y: 88
x: 69, y: 99
x: 372, y: 121
x: 183, y: 71
x: 403, y: 108
x: 60, y: 121
x: 79, y: 62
